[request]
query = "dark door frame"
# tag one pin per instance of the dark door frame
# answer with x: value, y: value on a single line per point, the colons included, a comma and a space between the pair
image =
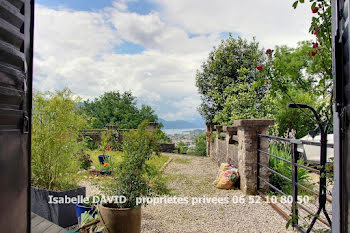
x: 341, y: 74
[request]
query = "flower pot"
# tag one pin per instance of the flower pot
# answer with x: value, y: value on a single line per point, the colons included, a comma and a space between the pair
x: 106, y: 173
x: 80, y: 209
x: 102, y: 158
x: 120, y: 220
x: 62, y: 214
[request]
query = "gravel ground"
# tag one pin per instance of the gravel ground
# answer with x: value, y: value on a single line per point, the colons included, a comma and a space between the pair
x: 192, y: 176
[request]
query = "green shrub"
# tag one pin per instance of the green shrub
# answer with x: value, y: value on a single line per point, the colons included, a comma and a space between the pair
x: 200, y: 144
x: 182, y: 147
x: 89, y: 143
x: 284, y: 168
x: 106, y: 140
x: 135, y: 177
x: 84, y: 159
x: 287, y: 119
x: 55, y: 132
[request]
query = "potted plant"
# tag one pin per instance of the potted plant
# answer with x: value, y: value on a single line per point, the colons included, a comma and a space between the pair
x: 88, y: 205
x: 55, y: 139
x: 107, y: 168
x: 138, y: 147
x: 106, y: 138
x: 90, y: 223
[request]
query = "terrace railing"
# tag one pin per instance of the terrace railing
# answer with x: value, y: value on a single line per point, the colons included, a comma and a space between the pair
x: 296, y: 204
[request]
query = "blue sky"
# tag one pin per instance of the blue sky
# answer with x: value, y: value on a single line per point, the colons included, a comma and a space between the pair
x: 150, y: 47
x: 140, y: 7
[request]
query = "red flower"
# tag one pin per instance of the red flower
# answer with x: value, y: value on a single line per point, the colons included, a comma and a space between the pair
x: 315, y: 10
x: 313, y: 53
x: 268, y: 51
x: 314, y: 45
x: 259, y: 68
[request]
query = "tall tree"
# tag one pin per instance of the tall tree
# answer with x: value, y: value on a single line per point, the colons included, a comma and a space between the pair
x: 221, y: 70
x: 291, y: 76
x: 118, y: 108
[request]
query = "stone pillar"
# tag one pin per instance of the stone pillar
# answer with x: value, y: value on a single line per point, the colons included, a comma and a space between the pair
x: 152, y: 126
x: 112, y: 127
x: 209, y: 129
x: 218, y: 130
x: 247, y: 132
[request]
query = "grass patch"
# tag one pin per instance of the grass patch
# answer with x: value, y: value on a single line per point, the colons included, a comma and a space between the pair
x: 284, y: 151
x: 158, y: 161
x: 115, y: 155
x: 116, y: 158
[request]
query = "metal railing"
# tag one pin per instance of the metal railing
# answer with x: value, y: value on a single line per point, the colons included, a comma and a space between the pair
x: 294, y: 216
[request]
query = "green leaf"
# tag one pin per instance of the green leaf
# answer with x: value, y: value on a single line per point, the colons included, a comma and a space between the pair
x: 288, y: 223
x: 301, y: 1
x: 295, y: 4
x: 313, y: 5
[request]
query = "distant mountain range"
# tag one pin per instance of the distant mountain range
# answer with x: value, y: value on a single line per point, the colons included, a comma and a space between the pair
x: 181, y: 124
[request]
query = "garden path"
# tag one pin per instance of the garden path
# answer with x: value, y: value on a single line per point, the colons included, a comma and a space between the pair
x: 193, y: 176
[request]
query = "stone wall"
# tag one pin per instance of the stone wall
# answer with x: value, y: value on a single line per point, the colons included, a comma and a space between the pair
x: 238, y: 144
x: 167, y: 147
x: 95, y: 135
x: 224, y: 147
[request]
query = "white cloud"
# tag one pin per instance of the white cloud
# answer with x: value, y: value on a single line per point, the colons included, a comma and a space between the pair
x: 75, y: 48
x: 151, y: 32
x: 65, y: 40
x: 271, y: 21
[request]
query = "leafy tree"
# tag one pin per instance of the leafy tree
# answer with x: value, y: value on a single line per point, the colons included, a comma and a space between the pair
x: 117, y: 108
x: 318, y: 69
x: 291, y: 77
x: 221, y: 70
x: 242, y: 101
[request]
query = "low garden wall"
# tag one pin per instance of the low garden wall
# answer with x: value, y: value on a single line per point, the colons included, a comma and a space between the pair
x: 238, y: 144
x: 95, y: 135
x: 167, y: 147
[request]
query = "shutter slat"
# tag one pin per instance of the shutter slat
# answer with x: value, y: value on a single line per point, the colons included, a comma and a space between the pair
x: 11, y: 14
x: 10, y: 119
x: 10, y: 98
x: 10, y: 55
x: 11, y: 76
x: 11, y: 34
x: 17, y: 3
